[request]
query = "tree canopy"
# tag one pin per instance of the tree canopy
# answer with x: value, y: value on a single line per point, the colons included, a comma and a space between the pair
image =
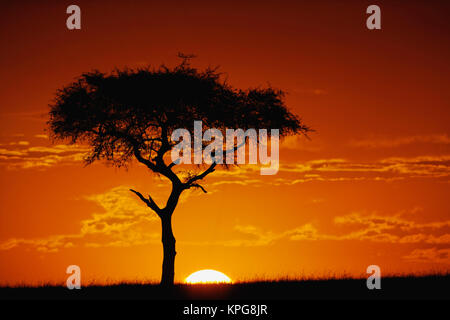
x: 133, y: 112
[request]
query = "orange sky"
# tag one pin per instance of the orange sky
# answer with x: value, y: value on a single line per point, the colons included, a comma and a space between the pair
x: 371, y: 187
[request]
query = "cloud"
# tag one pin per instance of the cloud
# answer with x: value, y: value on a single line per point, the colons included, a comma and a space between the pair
x: 41, y: 136
x: 366, y: 227
x: 20, y: 155
x: 300, y: 143
x: 121, y: 213
x: 394, y: 229
x: 373, y: 227
x: 244, y: 182
x: 385, y: 169
x: 57, y: 149
x: 123, y: 222
x: 253, y: 236
x: 339, y: 170
x: 258, y: 237
x: 378, y: 142
x: 50, y: 244
x: 13, y: 153
x: 306, y: 232
x: 19, y: 143
x: 431, y: 255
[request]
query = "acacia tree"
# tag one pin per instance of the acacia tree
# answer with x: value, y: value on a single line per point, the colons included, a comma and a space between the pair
x: 130, y: 115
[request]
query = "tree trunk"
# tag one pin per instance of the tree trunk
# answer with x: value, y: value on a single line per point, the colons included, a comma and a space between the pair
x: 168, y: 241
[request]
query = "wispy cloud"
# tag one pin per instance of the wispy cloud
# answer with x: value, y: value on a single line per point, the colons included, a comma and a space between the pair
x: 389, y: 142
x: 430, y: 255
x: 21, y: 155
x: 394, y: 229
x: 41, y: 136
x: 19, y: 143
x: 424, y: 165
x: 365, y: 227
x: 300, y: 143
x: 48, y: 244
x: 123, y: 222
x: 339, y: 170
x: 40, y: 116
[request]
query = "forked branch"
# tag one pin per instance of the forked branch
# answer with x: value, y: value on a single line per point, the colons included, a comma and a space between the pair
x: 196, y: 185
x: 149, y: 202
x: 190, y: 182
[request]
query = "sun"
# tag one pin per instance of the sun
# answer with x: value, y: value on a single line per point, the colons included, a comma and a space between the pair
x: 207, y: 276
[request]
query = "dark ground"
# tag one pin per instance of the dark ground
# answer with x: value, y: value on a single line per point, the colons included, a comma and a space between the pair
x: 424, y: 287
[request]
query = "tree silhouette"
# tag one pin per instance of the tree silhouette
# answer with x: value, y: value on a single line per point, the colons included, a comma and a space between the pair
x: 131, y: 114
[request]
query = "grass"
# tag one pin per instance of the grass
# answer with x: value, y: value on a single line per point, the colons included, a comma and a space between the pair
x: 434, y: 286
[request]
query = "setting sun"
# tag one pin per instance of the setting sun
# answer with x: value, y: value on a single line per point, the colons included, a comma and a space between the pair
x: 207, y: 276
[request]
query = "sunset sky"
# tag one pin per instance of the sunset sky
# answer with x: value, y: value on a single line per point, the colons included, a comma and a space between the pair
x: 371, y: 186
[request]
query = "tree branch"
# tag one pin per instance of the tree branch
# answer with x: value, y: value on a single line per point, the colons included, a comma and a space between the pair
x: 144, y: 161
x: 149, y: 202
x: 196, y: 185
x: 200, y: 176
x: 171, y: 165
